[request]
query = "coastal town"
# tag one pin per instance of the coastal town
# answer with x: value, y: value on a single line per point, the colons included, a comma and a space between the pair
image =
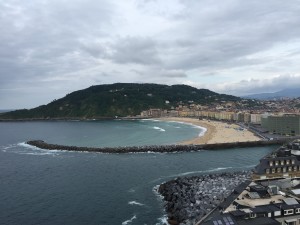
x: 267, y: 118
x: 267, y: 195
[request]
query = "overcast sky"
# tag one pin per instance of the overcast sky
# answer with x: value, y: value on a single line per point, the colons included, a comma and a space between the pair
x: 49, y: 48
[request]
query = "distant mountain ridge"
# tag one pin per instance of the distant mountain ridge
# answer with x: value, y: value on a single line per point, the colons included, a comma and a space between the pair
x: 290, y: 93
x: 120, y: 99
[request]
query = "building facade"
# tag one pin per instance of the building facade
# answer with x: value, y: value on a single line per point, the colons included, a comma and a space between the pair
x: 287, y: 124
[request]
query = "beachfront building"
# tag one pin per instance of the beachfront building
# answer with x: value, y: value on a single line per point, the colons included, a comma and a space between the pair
x: 259, y: 203
x: 255, y: 118
x: 155, y: 113
x: 286, y: 124
x: 283, y: 163
x: 247, y: 117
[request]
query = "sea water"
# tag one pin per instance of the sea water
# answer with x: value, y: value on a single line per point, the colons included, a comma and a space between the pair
x: 56, y: 187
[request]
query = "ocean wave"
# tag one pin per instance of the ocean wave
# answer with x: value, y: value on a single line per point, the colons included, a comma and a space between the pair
x: 4, y: 148
x: 160, y: 129
x: 131, y: 190
x: 129, y: 221
x: 156, y: 193
x: 152, y: 120
x: 208, y: 171
x: 200, y: 171
x: 162, y: 220
x: 203, y: 129
x: 25, y: 145
x: 37, y: 151
x: 135, y: 203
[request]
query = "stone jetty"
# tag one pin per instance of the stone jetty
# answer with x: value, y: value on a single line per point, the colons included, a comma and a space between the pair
x: 155, y: 148
x: 188, y: 199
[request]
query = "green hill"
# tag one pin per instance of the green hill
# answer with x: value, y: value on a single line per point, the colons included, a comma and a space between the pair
x: 120, y: 99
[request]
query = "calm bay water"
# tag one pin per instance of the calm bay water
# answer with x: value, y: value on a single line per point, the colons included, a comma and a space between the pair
x: 44, y: 187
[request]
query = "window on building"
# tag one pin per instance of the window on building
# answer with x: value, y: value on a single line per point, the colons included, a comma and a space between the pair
x: 271, y: 163
x: 282, y: 162
x: 293, y: 161
x: 284, y: 169
x: 267, y: 171
x: 288, y: 222
x: 288, y: 212
x: 252, y: 215
x: 273, y: 170
x: 287, y: 162
x: 295, y: 168
x: 276, y: 163
x: 278, y: 170
x: 297, y: 211
x: 290, y: 168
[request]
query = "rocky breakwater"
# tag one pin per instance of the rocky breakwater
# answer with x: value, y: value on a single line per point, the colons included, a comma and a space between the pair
x: 188, y: 199
x: 153, y: 148
x: 123, y: 149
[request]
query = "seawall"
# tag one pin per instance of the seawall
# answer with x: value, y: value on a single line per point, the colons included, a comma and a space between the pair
x: 157, y: 148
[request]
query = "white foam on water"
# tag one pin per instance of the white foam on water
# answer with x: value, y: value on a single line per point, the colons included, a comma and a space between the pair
x: 250, y: 166
x: 129, y: 221
x: 37, y: 151
x: 162, y: 220
x: 203, y: 129
x: 135, y: 203
x: 156, y: 193
x: 207, y: 171
x: 4, y: 148
x: 25, y: 145
x: 160, y: 129
x: 199, y: 171
x: 131, y: 190
x: 152, y: 120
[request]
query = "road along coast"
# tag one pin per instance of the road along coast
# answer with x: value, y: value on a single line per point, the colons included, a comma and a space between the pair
x: 216, y: 132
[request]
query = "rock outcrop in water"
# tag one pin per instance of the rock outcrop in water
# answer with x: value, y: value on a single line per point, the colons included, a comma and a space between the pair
x: 188, y: 199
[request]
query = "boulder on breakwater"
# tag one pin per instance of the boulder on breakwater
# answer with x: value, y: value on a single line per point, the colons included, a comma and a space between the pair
x: 154, y: 148
x: 188, y: 199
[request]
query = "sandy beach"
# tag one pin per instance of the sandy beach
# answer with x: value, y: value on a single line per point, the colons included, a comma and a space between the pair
x: 217, y: 132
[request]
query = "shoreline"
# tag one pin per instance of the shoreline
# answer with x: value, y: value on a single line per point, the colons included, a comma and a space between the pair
x: 216, y: 132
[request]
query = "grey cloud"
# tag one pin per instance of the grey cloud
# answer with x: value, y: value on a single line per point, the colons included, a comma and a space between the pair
x: 252, y: 86
x: 226, y: 33
x: 139, y: 50
x: 40, y: 38
x: 175, y: 73
x: 86, y: 41
x: 160, y: 73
